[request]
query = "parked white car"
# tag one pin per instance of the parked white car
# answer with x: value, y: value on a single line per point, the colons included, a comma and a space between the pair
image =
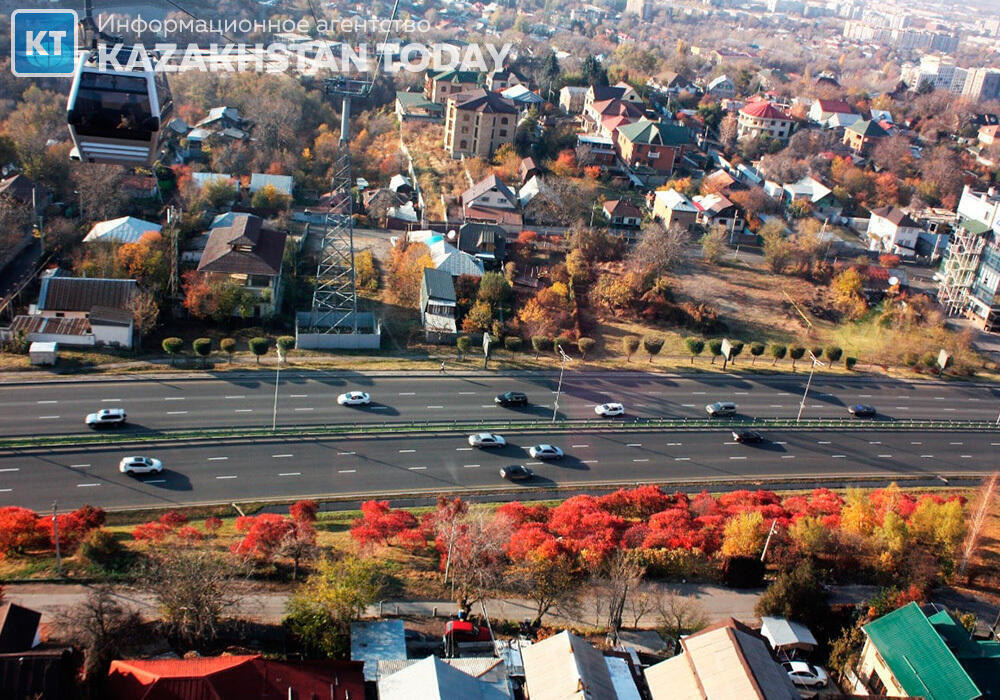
x: 805, y: 674
x: 354, y: 398
x: 610, y: 409
x: 486, y: 440
x: 140, y: 465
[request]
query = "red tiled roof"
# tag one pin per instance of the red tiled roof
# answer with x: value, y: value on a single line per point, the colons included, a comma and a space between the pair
x: 764, y: 110
x: 836, y: 106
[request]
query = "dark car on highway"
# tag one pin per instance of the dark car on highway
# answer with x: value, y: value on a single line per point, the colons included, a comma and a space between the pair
x: 860, y: 410
x: 512, y: 398
x: 747, y: 437
x: 516, y: 472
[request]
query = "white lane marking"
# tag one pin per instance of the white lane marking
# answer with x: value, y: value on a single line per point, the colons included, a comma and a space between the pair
x: 687, y: 405
x: 839, y: 456
x: 486, y: 405
x: 298, y: 396
x: 78, y: 466
x: 231, y: 476
x: 534, y: 464
x: 973, y: 399
x: 939, y: 398
x: 109, y: 400
x: 466, y: 393
x: 47, y: 417
x: 416, y: 469
x: 588, y: 461
x: 6, y: 490
x: 874, y: 442
x: 81, y: 486
x: 788, y: 456
x: 885, y: 456
x: 354, y: 453
x: 740, y: 393
x: 674, y: 444
x: 407, y: 393
x: 290, y: 474
x: 304, y: 409
x: 781, y: 443
x: 463, y: 449
x: 346, y: 471
x: 175, y: 413
x: 902, y: 408
x: 915, y: 443
x: 244, y: 410
x: 50, y: 401
x: 640, y: 460
x: 282, y: 456
x: 435, y: 407
x: 698, y: 393
x: 966, y: 456
x: 634, y: 444
x: 776, y: 405
x: 407, y: 451
x: 570, y: 446
x: 956, y: 443
x: 926, y: 456
x: 949, y: 409
x: 730, y: 443
x: 155, y: 481
x: 994, y: 444
x: 682, y: 459
x: 173, y: 398
x: 470, y: 466
x: 864, y: 396
x: 217, y: 459
x: 237, y: 396
x: 737, y: 458
x: 11, y: 469
x: 823, y: 442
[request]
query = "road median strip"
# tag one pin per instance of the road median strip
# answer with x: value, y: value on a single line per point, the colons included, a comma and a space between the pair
x: 432, y: 428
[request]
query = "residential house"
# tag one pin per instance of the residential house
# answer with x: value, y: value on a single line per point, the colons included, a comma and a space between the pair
x: 674, y: 209
x: 441, y: 85
x: 372, y: 640
x: 401, y: 184
x: 40, y: 674
x: 413, y: 106
x: 987, y: 135
x: 593, y: 149
x: 891, y: 230
x: 434, y: 678
x: 125, y: 229
x: 246, y: 677
x: 528, y: 169
x: 820, y: 197
x: 23, y: 189
x: 605, y: 117
x: 652, y: 146
x: 564, y: 667
x: 249, y: 254
x: 721, y: 88
x: 450, y: 259
x: 79, y: 311
x: 282, y: 184
x: 522, y: 97
x: 599, y: 93
x: 820, y: 111
x: 200, y: 180
x: 438, y: 309
x: 491, y: 201
x: 762, y: 118
x: 500, y: 80
x: 572, y: 99
x: 672, y: 84
x: 725, y: 660
x: 862, y: 135
x: 620, y: 212
x: 220, y: 118
x: 488, y: 242
x: 716, y: 210
x: 913, y: 653
x: 18, y: 628
x: 140, y: 186
x: 477, y: 123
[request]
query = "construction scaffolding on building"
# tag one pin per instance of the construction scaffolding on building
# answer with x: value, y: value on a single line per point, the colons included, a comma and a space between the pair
x: 958, y: 269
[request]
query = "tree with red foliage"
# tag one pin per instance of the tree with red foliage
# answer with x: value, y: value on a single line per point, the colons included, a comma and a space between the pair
x: 705, y: 504
x: 189, y: 534
x: 173, y: 519
x: 529, y: 537
x: 151, y: 532
x: 587, y: 529
x: 304, y: 511
x: 519, y: 513
x: 380, y: 524
x: 90, y: 516
x: 19, y: 530
x: 640, y: 502
x: 212, y: 524
x: 264, y: 534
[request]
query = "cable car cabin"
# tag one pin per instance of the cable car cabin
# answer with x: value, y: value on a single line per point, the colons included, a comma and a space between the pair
x: 115, y: 116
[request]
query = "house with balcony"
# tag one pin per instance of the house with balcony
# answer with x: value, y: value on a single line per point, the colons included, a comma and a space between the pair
x: 891, y: 230
x: 440, y: 85
x: 249, y: 254
x: 438, y: 306
x: 652, y: 150
x: 862, y: 136
x: 763, y: 118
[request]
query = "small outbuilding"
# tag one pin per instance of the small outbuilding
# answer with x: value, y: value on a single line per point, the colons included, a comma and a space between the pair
x: 786, y: 635
x: 43, y: 353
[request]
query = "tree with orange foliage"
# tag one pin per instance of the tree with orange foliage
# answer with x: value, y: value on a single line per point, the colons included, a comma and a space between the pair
x: 405, y: 270
x: 147, y: 260
x: 565, y: 164
x: 214, y: 297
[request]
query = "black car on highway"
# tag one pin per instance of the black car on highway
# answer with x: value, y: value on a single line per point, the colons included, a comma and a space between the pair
x: 516, y: 472
x: 860, y: 410
x: 511, y: 398
x: 747, y: 437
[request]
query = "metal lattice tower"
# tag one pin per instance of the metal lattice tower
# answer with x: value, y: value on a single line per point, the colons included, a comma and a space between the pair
x: 958, y: 270
x: 335, y: 300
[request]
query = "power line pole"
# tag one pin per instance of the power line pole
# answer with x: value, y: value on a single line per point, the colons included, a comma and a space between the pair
x: 55, y: 536
x: 812, y: 368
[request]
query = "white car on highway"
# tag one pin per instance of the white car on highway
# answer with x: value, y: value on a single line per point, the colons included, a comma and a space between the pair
x: 106, y: 418
x: 545, y: 452
x: 487, y: 440
x: 354, y: 398
x: 140, y: 465
x: 610, y: 409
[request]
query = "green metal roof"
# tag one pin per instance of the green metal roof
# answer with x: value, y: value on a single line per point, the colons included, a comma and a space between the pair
x: 645, y: 131
x: 918, y: 657
x: 973, y: 226
x: 458, y: 76
x: 980, y: 659
x: 867, y: 127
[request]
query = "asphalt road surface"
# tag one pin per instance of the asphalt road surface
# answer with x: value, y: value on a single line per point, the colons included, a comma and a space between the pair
x: 309, y: 398
x: 404, y: 465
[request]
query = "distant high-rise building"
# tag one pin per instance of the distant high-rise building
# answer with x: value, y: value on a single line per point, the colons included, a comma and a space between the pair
x: 638, y: 7
x: 982, y: 84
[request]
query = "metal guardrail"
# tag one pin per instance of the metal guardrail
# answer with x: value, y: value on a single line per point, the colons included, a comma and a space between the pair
x: 458, y: 426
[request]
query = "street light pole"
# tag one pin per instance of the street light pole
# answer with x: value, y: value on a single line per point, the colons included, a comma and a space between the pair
x: 812, y: 368
x: 277, y: 381
x: 562, y: 368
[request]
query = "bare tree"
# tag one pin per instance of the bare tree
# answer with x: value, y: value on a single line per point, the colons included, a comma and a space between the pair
x: 145, y: 311
x: 192, y: 589
x: 659, y: 248
x: 640, y: 603
x: 620, y: 573
x: 679, y: 614
x: 100, y: 190
x: 103, y: 629
x: 477, y: 558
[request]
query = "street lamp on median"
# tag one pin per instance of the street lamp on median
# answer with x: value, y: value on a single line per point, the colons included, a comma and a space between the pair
x: 812, y: 368
x: 277, y: 381
x: 562, y: 367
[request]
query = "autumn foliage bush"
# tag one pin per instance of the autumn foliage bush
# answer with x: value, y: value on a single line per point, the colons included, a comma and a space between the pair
x: 22, y: 530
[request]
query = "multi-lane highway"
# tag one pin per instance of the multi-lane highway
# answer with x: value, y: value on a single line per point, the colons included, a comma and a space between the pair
x: 243, y: 470
x: 310, y: 399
